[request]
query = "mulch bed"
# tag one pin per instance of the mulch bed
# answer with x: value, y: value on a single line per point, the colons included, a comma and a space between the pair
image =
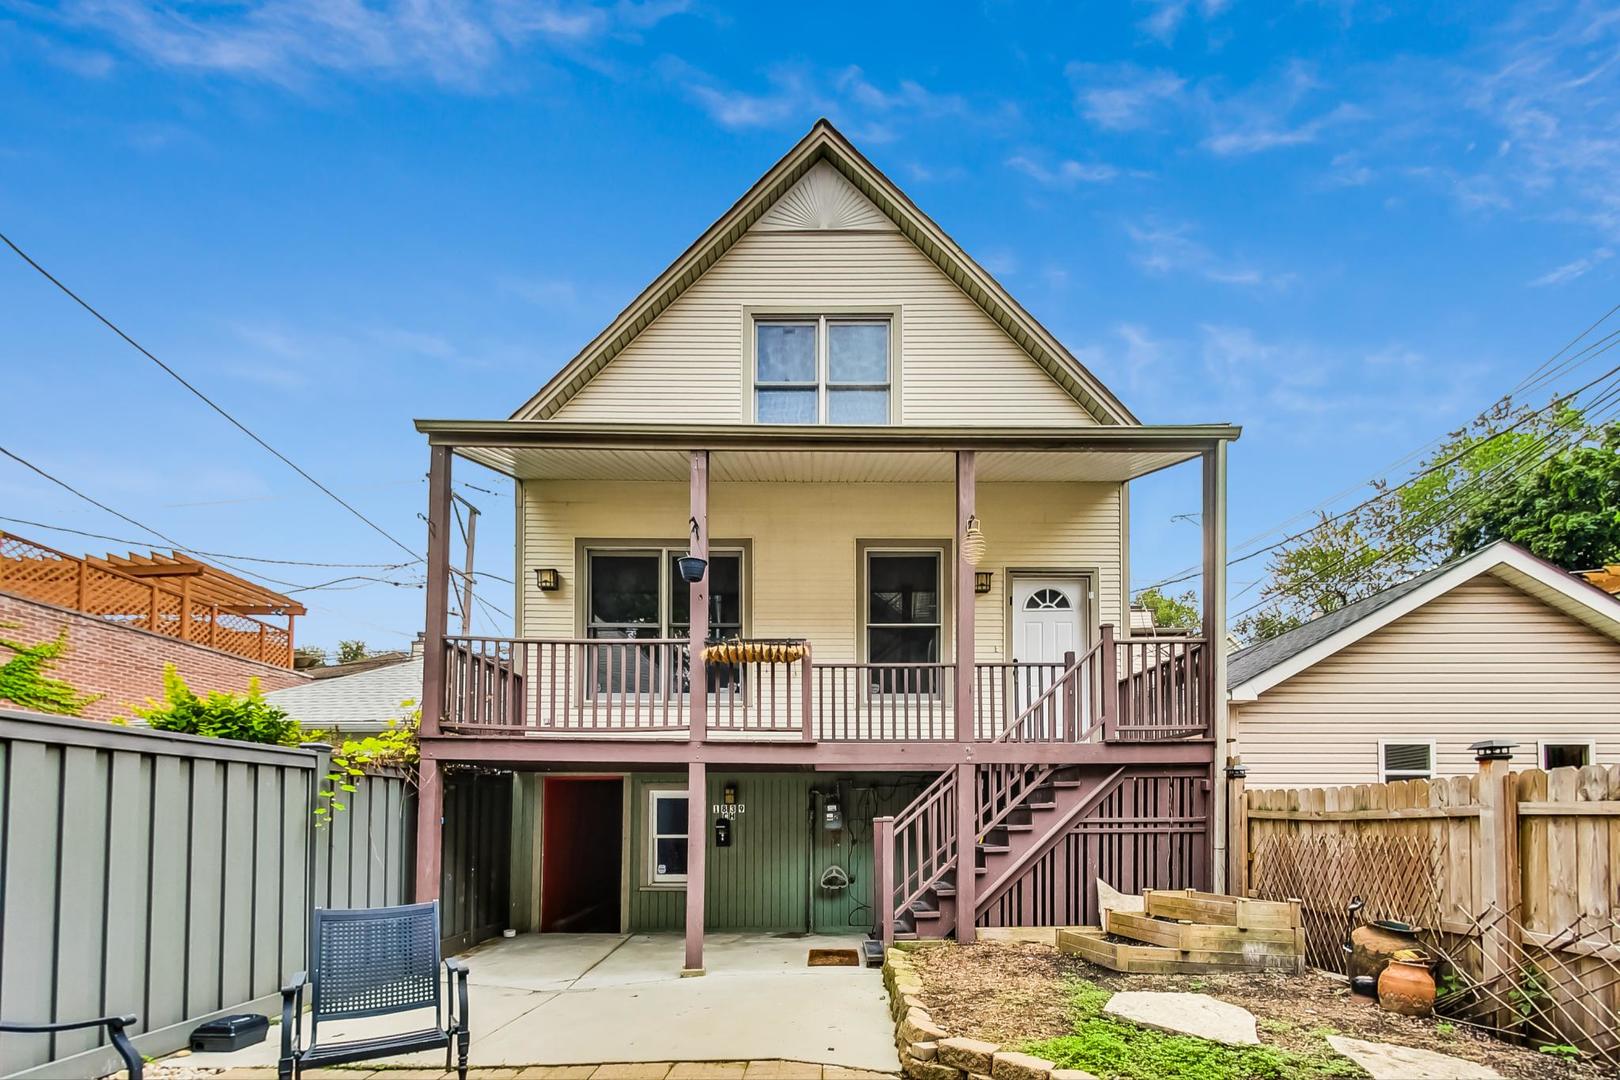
x: 1016, y: 993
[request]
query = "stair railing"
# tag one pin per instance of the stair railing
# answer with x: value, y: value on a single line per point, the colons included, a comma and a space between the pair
x: 1063, y: 712
x: 922, y: 848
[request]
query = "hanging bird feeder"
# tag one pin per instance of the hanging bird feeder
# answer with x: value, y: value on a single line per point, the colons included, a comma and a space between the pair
x: 973, y: 545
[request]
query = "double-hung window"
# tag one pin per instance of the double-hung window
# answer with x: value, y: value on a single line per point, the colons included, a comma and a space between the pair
x: 822, y: 370
x: 666, y: 837
x: 904, y: 618
x: 639, y: 593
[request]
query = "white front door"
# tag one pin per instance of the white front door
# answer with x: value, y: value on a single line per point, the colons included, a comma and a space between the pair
x: 1049, y: 620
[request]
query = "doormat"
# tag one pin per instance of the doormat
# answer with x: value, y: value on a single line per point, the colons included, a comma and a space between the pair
x: 834, y: 958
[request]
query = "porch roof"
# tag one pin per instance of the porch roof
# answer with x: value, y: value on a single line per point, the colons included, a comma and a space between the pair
x: 826, y: 453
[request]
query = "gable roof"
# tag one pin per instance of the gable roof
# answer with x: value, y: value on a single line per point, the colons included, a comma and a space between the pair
x: 1256, y: 669
x: 825, y: 143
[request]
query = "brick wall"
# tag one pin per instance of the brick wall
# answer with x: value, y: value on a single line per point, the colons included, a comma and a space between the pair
x: 126, y: 665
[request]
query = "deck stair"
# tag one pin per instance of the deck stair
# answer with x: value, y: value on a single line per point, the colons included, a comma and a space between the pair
x: 1183, y: 932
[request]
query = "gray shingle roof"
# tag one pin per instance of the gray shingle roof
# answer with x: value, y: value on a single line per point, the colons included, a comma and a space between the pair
x: 366, y: 699
x: 1262, y: 657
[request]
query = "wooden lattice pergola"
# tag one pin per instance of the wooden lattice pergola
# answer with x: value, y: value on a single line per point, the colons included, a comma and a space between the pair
x: 169, y: 594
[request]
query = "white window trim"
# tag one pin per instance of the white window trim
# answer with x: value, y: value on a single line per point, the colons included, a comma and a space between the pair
x: 855, y: 314
x: 1542, y: 744
x: 1384, y: 777
x: 652, y: 877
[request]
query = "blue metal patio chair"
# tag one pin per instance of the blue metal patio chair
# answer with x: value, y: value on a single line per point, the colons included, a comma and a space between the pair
x: 115, y: 1026
x: 373, y: 962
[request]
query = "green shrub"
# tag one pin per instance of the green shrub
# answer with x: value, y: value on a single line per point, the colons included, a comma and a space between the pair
x: 244, y: 717
x: 25, y: 684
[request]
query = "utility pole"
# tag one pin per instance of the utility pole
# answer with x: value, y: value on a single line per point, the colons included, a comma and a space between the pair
x: 469, y: 534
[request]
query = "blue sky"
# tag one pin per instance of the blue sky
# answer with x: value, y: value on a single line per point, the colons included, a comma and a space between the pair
x: 1346, y: 226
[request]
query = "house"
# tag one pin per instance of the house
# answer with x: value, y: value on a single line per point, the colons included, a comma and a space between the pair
x: 1497, y: 645
x: 128, y: 616
x: 822, y: 549
x: 358, y: 697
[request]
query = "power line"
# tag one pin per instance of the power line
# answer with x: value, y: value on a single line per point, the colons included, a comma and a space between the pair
x: 243, y: 428
x: 211, y: 554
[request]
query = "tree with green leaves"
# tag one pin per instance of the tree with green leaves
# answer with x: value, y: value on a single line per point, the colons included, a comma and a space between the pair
x: 351, y: 651
x: 24, y: 681
x: 1180, y: 611
x: 246, y: 717
x: 1546, y: 479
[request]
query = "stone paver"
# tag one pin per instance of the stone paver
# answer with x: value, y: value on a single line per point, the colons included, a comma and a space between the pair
x: 635, y: 1070
x: 708, y: 1070
x: 684, y: 1070
x: 1386, y: 1061
x: 1186, y: 1014
x: 782, y: 1070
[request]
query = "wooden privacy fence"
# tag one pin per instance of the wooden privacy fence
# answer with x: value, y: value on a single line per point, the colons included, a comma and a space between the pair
x: 1513, y: 876
x: 214, y: 613
x: 168, y: 876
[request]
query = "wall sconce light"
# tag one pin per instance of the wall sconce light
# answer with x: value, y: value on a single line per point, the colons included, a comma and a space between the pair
x: 547, y: 579
x: 728, y: 794
x: 981, y: 581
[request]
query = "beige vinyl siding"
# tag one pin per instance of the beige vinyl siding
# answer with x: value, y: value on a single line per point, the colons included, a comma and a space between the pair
x: 691, y: 363
x: 804, y: 540
x: 1482, y: 661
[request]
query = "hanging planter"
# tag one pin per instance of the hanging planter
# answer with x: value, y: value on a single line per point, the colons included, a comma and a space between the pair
x: 691, y: 568
x: 973, y: 544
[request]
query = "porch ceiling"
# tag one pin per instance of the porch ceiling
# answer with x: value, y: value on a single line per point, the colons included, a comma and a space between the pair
x: 749, y: 453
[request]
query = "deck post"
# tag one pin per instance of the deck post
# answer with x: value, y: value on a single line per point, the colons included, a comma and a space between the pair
x: 883, y: 889
x: 965, y: 500
x: 429, y: 829
x: 697, y: 842
x: 1108, y: 682
x: 967, y: 852
x: 438, y: 590
x: 1214, y: 628
x: 698, y: 692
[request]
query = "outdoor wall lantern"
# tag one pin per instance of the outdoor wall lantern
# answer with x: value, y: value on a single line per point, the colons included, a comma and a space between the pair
x: 729, y: 793
x: 547, y: 578
x: 1493, y: 750
x: 981, y: 581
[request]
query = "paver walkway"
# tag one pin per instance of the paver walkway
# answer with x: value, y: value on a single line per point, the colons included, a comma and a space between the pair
x: 175, y: 1069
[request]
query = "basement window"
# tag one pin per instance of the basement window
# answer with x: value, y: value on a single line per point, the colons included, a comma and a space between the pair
x: 666, y: 837
x: 1562, y: 755
x: 1406, y: 760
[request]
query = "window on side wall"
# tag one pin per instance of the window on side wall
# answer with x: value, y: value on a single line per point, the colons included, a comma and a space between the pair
x: 1406, y: 760
x: 666, y: 837
x: 1560, y: 755
x: 823, y: 370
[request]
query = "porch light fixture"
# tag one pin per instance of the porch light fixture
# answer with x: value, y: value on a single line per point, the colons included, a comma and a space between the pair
x: 981, y: 581
x: 547, y: 578
x: 973, y: 543
x: 728, y: 794
x: 1493, y: 750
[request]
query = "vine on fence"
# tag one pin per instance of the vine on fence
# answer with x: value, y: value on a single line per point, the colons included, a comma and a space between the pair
x: 245, y: 717
x: 395, y: 746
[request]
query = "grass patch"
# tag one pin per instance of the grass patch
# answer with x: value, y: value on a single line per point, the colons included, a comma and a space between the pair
x: 1115, y: 1050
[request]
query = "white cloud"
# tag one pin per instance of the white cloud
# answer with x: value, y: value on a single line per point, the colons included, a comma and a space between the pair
x: 1166, y: 18
x: 455, y: 43
x: 1124, y: 97
x: 1163, y: 248
x: 1064, y: 173
x: 1573, y: 269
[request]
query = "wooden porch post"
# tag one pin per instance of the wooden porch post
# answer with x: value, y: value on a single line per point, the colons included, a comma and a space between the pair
x: 438, y: 589
x: 1214, y: 629
x: 965, y: 499
x: 697, y: 843
x: 698, y: 693
x: 429, y: 828
x: 967, y: 852
x: 883, y: 888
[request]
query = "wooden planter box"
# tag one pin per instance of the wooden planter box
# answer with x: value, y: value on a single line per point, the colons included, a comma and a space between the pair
x: 1190, y: 932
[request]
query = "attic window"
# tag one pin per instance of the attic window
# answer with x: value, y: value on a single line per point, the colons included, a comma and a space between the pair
x: 822, y: 370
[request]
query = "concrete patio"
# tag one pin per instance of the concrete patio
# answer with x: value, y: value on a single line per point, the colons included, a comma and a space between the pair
x: 588, y: 999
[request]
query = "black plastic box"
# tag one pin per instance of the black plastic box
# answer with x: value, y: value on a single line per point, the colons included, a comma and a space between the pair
x: 229, y: 1033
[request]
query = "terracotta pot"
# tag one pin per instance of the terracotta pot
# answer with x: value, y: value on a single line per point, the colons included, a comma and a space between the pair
x: 1406, y: 987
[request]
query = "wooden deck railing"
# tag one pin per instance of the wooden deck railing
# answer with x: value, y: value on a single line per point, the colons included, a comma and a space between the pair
x: 917, y: 847
x: 1120, y: 690
x: 36, y: 572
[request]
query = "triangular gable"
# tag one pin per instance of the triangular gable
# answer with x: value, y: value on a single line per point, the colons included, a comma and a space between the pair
x: 1510, y: 563
x: 824, y: 178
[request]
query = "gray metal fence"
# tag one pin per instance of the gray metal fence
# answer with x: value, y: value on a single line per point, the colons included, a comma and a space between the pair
x: 168, y: 876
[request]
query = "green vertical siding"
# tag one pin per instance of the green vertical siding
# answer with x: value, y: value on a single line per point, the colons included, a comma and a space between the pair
x: 764, y: 880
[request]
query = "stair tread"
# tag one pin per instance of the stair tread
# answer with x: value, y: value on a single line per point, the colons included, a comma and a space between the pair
x: 944, y: 890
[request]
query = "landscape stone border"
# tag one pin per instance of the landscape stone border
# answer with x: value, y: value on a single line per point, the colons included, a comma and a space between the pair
x: 929, y: 1052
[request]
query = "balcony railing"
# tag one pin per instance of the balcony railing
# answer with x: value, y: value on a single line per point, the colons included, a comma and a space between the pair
x: 1121, y: 690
